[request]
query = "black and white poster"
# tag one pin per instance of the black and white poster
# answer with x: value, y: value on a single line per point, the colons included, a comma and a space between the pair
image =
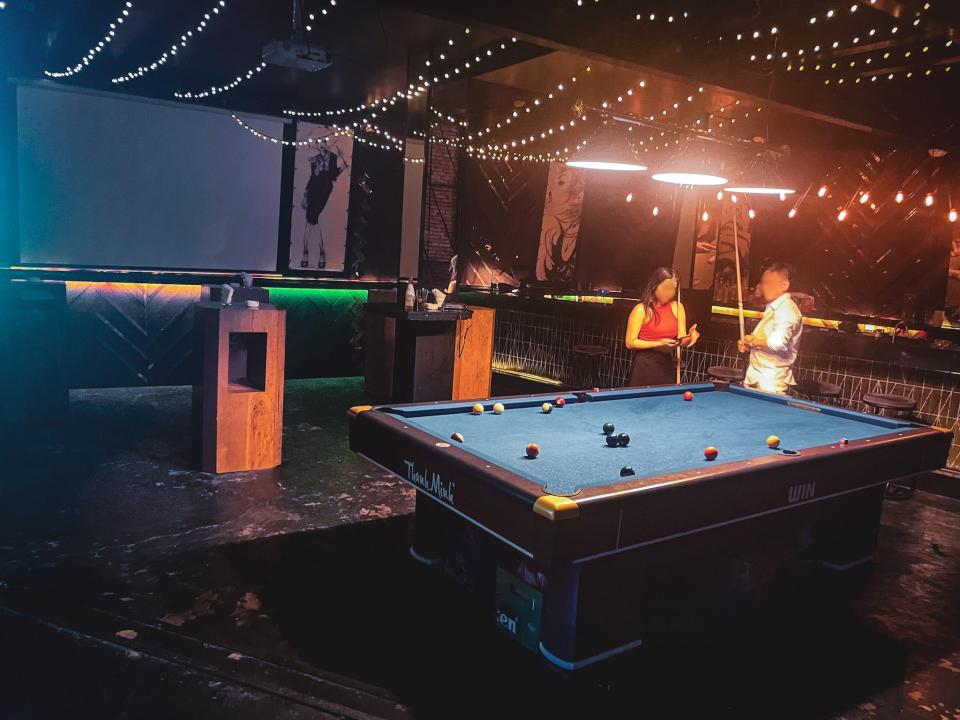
x: 321, y: 197
x: 563, y: 206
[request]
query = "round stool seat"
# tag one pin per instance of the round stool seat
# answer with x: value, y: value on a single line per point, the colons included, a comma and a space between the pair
x: 889, y: 404
x: 817, y: 388
x: 725, y: 373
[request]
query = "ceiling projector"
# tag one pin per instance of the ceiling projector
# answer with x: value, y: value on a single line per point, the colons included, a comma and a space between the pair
x: 297, y: 55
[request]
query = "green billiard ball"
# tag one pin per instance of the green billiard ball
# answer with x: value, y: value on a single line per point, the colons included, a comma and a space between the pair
x: 608, y: 428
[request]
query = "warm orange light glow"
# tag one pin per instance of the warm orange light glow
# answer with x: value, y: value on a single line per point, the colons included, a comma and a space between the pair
x: 899, y: 196
x: 629, y: 197
x: 792, y: 214
x: 733, y: 199
x: 719, y: 194
x: 822, y: 191
x: 684, y: 178
x: 751, y: 214
x: 614, y: 166
x: 842, y: 215
x: 928, y: 200
x: 952, y: 216
x: 656, y: 211
x: 864, y: 198
x: 186, y: 292
x: 705, y: 216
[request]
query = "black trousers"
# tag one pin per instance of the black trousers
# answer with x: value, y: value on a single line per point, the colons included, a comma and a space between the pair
x: 656, y: 366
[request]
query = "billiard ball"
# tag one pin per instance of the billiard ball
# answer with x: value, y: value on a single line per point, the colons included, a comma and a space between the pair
x: 596, y: 389
x: 623, y: 439
x: 688, y: 396
x: 608, y: 428
x: 626, y: 470
x: 773, y: 442
x: 546, y: 407
x: 710, y: 453
x: 844, y: 441
x: 498, y: 408
x: 560, y: 402
x: 457, y: 436
x: 477, y: 409
x: 613, y: 440
x: 533, y: 450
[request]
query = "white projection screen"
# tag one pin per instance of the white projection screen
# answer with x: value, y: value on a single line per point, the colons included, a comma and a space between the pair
x: 110, y: 181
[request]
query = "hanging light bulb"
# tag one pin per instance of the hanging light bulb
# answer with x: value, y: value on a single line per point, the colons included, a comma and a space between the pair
x: 899, y: 196
x: 822, y: 191
x: 952, y: 216
x: 928, y: 200
x: 733, y: 199
x: 690, y: 165
x: 842, y: 215
x: 719, y: 194
x: 792, y: 214
x: 656, y: 211
x: 761, y: 176
x: 629, y: 197
x: 864, y: 198
x: 751, y: 214
x: 705, y: 216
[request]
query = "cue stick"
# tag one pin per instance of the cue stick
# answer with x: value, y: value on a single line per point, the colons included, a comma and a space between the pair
x: 736, y: 259
x: 678, y: 334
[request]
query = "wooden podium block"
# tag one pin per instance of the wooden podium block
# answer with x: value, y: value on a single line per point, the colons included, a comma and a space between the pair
x: 473, y: 364
x: 239, y: 406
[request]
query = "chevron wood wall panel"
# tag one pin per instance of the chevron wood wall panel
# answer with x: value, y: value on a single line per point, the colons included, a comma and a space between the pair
x: 129, y: 334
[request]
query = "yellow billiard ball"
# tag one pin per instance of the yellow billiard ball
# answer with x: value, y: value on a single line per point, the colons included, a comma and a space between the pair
x: 498, y: 408
x: 546, y: 407
x: 773, y: 442
x: 477, y: 409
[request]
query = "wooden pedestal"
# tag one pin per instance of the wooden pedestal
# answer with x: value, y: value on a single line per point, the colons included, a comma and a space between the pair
x: 239, y: 407
x: 427, y: 356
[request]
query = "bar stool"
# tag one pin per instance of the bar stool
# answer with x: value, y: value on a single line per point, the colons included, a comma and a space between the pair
x: 586, y: 364
x: 898, y: 406
x: 890, y: 405
x: 819, y: 390
x: 725, y: 373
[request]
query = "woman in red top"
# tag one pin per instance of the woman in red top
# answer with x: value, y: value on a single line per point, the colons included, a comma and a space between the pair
x: 657, y: 325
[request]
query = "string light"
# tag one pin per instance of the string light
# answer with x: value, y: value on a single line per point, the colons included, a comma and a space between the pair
x: 864, y: 198
x: 952, y: 216
x: 96, y: 49
x: 822, y: 191
x: 287, y: 143
x: 656, y: 211
x: 842, y: 215
x: 751, y: 213
x: 899, y: 197
x: 928, y: 200
x: 172, y: 51
x: 705, y: 216
x: 219, y: 90
x: 792, y: 214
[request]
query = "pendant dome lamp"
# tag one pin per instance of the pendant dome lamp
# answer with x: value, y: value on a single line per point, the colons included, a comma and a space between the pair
x: 607, y: 149
x: 693, y: 165
x: 761, y: 176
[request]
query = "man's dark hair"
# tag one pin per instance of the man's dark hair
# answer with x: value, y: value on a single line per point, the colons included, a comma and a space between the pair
x: 782, y: 268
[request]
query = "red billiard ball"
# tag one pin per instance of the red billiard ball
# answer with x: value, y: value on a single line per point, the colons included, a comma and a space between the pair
x: 457, y: 437
x: 688, y: 396
x: 533, y: 450
x: 710, y: 453
x: 560, y: 402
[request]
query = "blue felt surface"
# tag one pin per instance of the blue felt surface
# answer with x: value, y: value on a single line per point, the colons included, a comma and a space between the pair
x: 667, y: 433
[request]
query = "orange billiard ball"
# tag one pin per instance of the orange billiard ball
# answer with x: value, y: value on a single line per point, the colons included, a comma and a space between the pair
x: 773, y: 442
x: 533, y: 450
x: 710, y: 453
x: 688, y: 396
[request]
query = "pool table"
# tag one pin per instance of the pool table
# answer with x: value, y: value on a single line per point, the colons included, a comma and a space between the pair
x: 581, y: 560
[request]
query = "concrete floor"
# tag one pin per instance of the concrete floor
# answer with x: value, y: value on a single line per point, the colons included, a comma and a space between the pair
x: 132, y: 586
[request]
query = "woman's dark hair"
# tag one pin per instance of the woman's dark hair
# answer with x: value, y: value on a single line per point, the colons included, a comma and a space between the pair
x: 648, y: 298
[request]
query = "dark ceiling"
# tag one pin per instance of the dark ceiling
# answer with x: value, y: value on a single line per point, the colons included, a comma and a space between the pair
x: 378, y: 47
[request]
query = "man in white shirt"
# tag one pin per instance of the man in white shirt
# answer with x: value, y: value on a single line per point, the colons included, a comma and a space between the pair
x: 774, y: 342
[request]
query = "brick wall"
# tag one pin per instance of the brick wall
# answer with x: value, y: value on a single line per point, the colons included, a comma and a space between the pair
x: 440, y: 212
